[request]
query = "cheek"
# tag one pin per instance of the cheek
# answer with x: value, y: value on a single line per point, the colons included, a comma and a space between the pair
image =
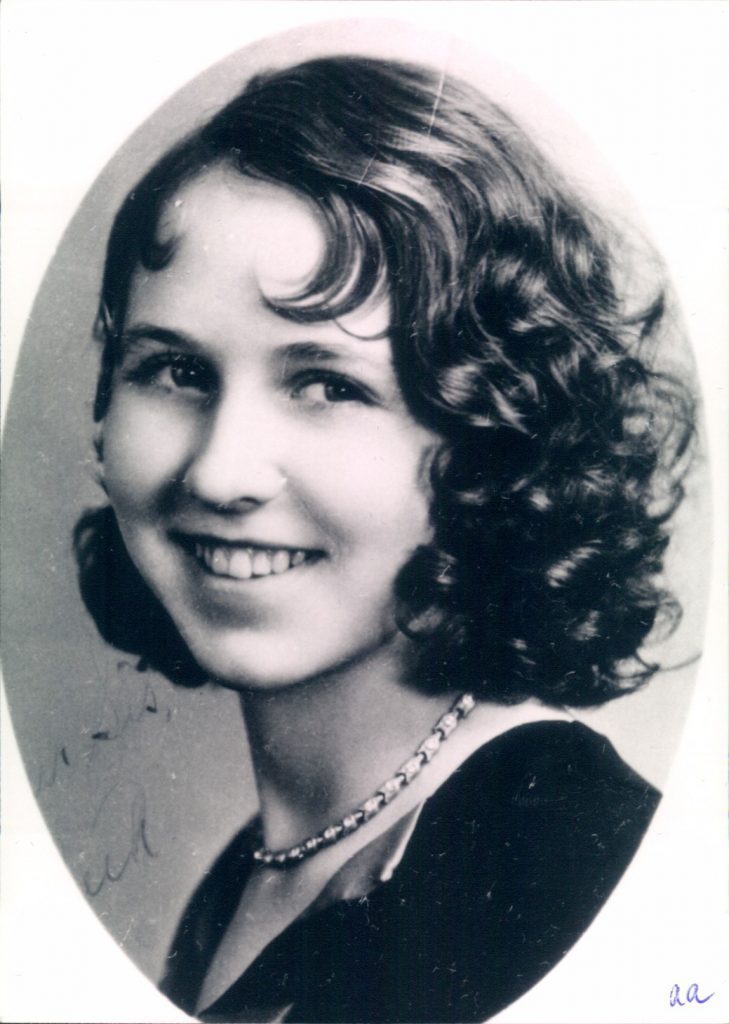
x: 144, y: 451
x: 404, y: 481
x: 377, y: 491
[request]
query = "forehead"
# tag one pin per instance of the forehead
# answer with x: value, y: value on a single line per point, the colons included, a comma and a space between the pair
x: 236, y: 220
x: 236, y: 237
x: 238, y: 246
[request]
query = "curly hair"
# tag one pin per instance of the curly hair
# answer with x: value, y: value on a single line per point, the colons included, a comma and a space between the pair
x: 563, y: 445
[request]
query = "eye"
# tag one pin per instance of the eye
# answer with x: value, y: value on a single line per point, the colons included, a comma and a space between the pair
x: 318, y: 388
x: 172, y: 371
x: 189, y: 373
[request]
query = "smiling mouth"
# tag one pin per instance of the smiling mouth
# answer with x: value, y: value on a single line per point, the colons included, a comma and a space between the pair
x: 243, y: 561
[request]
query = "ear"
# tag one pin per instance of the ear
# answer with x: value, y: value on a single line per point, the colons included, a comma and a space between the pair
x: 106, y: 373
x: 98, y: 443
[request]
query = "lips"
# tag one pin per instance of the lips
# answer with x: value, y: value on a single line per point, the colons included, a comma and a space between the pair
x: 241, y: 561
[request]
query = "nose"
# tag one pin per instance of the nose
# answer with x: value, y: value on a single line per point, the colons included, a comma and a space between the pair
x: 236, y: 462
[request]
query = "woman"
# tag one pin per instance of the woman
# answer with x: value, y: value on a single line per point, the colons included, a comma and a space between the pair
x: 386, y: 455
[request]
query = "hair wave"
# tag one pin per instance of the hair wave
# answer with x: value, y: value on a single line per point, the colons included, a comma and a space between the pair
x: 564, y: 446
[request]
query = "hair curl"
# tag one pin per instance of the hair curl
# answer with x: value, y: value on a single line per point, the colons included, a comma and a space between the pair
x: 563, y: 445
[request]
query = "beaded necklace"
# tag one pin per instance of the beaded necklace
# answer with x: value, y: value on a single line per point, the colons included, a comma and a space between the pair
x: 382, y: 796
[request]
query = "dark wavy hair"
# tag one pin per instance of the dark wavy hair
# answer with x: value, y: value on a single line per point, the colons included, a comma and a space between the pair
x: 563, y: 445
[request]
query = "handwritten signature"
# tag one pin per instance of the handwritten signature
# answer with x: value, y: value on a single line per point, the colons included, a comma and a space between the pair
x: 138, y: 846
x: 127, y: 701
x: 692, y: 995
x: 114, y: 723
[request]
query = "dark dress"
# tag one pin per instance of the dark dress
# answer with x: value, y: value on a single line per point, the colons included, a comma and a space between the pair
x: 509, y: 862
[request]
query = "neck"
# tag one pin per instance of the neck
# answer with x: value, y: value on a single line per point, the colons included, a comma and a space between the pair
x: 321, y: 747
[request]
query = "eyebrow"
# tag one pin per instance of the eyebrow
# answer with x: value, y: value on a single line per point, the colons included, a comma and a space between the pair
x: 359, y: 357
x: 294, y: 351
x: 150, y: 332
x: 308, y: 350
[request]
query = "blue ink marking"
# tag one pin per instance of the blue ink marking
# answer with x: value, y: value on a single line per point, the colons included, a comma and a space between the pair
x: 692, y: 995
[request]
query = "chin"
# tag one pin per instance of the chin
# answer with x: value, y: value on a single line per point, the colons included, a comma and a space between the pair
x: 235, y: 672
x: 271, y: 663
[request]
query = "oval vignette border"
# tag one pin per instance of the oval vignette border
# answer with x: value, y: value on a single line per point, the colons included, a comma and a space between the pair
x: 120, y: 695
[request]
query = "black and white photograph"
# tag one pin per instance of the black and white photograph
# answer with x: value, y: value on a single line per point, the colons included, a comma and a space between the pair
x: 364, y: 512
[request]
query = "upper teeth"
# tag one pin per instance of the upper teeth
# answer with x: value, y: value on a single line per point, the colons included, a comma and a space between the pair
x: 242, y: 563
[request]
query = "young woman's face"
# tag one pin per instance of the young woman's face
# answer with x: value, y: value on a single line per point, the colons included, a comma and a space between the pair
x: 268, y: 479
